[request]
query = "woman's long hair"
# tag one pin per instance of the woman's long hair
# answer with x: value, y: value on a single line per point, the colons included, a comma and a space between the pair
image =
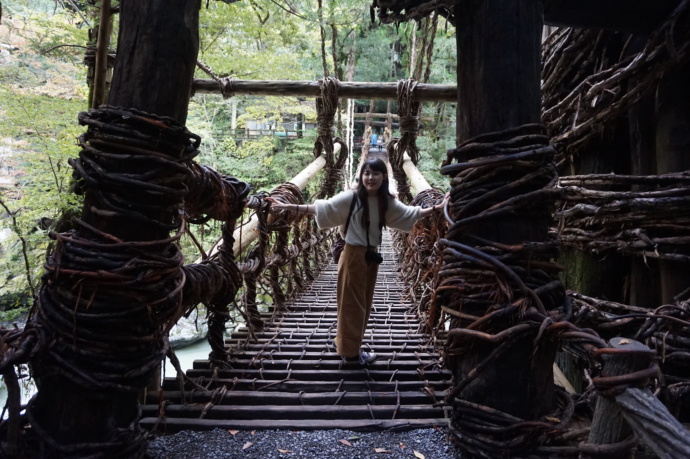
x: 377, y: 165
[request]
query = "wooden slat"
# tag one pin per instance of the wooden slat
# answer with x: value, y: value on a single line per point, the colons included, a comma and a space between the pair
x: 172, y: 425
x: 380, y: 349
x: 359, y: 374
x: 172, y: 386
x: 258, y: 398
x: 325, y: 364
x: 273, y: 412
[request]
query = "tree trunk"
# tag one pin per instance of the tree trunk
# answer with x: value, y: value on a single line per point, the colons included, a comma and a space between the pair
x: 157, y: 51
x: 499, y: 48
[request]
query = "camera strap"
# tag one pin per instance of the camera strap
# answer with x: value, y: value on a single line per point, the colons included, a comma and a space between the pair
x: 349, y: 214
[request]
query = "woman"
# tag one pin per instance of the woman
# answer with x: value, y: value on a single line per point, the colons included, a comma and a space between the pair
x: 361, y: 216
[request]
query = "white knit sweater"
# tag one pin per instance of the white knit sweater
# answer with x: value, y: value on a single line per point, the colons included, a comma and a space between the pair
x: 333, y: 212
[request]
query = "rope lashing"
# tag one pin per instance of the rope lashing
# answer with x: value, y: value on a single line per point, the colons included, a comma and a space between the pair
x: 226, y: 88
x: 279, y: 263
x: 224, y: 83
x: 408, y: 111
x: 484, y: 188
x: 326, y: 108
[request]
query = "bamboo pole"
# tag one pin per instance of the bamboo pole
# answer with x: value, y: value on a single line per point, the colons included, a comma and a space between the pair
x: 348, y: 89
x: 417, y: 180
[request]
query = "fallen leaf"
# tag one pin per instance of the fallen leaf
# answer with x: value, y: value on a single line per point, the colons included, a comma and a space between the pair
x: 402, y: 445
x: 247, y: 445
x: 625, y: 341
x: 345, y: 442
x: 284, y: 451
x: 233, y: 432
x: 253, y: 432
x: 549, y: 418
x: 418, y: 455
x: 381, y: 450
x: 354, y: 438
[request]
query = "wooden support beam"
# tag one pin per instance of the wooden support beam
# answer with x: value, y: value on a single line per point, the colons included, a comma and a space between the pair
x: 81, y: 409
x: 101, y: 67
x: 653, y: 423
x: 348, y: 89
x: 378, y: 123
x: 499, y: 61
x: 393, y: 116
x: 608, y: 424
x: 626, y: 15
x: 636, y: 409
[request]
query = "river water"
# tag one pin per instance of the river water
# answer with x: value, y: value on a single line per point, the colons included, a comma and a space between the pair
x: 186, y: 355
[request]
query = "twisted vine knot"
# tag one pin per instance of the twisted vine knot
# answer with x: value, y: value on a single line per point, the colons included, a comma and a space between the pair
x: 326, y: 107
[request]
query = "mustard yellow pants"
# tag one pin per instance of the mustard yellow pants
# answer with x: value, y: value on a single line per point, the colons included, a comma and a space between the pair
x: 356, y: 282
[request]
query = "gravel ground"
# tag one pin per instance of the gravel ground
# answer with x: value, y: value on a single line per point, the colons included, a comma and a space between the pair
x: 319, y: 444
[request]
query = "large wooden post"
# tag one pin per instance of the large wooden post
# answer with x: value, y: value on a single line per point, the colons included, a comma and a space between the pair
x: 499, y: 49
x: 643, y: 292
x: 157, y: 50
x: 672, y: 144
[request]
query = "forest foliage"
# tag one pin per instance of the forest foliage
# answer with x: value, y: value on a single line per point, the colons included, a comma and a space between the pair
x: 43, y: 86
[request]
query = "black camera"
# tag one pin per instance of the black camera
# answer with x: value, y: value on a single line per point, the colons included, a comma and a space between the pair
x: 373, y: 257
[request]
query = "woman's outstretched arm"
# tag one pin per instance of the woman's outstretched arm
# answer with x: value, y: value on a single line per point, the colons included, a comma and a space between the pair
x: 299, y: 209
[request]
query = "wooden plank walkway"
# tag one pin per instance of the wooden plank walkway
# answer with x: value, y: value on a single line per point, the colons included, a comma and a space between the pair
x: 291, y: 377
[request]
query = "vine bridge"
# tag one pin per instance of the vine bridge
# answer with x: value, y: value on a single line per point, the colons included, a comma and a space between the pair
x: 289, y: 376
x: 471, y: 322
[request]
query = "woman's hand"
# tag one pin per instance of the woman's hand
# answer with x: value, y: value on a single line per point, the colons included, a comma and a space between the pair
x: 436, y: 208
x: 299, y: 209
x: 277, y: 206
x: 446, y: 199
